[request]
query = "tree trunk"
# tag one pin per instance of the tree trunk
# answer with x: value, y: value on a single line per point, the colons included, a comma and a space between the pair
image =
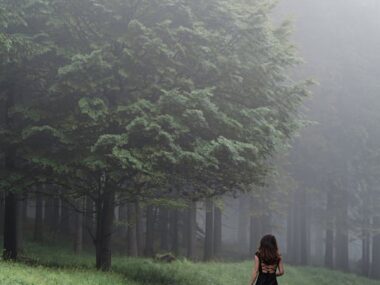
x: 209, y: 238
x: 105, y: 216
x: 131, y: 232
x: 174, y: 231
x: 192, y: 230
x: 49, y: 213
x: 78, y: 233
x: 1, y: 213
x: 303, y: 213
x: 255, y: 227
x: 11, y: 221
x: 290, y: 234
x: 164, y: 228
x: 375, y: 268
x: 329, y: 242
x: 38, y: 221
x: 88, y: 224
x: 20, y: 223
x: 243, y: 225
x: 217, y: 232
x: 2, y: 197
x: 66, y: 212
x: 341, y: 242
x: 149, y: 236
x: 366, y: 250
x: 139, y: 229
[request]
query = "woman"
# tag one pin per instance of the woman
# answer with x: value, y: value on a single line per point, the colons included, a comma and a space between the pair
x: 268, y: 262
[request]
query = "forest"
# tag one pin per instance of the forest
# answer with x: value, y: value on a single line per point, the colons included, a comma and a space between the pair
x: 156, y: 141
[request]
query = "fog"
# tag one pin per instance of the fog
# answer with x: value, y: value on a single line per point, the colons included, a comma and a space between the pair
x: 193, y: 128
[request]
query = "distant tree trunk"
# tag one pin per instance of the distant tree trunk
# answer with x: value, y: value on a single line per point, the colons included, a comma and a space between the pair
x: 366, y: 251
x: 11, y: 219
x: 38, y: 221
x: 375, y: 269
x: 303, y: 214
x: 25, y: 208
x: 341, y: 241
x: 56, y: 217
x: 209, y: 238
x: 192, y: 230
x: 49, y: 213
x: 164, y: 228
x: 123, y: 220
x: 21, y: 221
x: 174, y: 231
x: 2, y: 212
x: 243, y: 225
x: 139, y: 229
x: 78, y: 233
x: 255, y: 227
x: 329, y: 242
x: 65, y: 218
x: 11, y: 225
x: 149, y: 236
x: 217, y: 232
x: 131, y: 232
x: 104, y: 217
x: 88, y: 230
x: 290, y: 234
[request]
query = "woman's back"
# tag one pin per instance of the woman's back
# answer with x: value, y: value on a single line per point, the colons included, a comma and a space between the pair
x: 268, y: 263
x: 267, y: 272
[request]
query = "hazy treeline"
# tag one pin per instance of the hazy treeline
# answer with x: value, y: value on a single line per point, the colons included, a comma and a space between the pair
x: 146, y: 127
x: 143, y: 106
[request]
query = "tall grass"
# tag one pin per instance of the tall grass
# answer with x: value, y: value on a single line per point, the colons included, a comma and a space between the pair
x: 54, y: 265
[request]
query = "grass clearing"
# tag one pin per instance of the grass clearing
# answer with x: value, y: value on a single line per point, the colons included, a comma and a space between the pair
x: 54, y: 265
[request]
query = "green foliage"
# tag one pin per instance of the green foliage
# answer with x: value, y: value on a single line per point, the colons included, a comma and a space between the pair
x: 145, y: 271
x: 181, y: 93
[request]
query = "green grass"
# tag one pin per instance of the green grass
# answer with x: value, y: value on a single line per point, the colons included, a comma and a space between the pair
x: 50, y: 265
x: 20, y: 274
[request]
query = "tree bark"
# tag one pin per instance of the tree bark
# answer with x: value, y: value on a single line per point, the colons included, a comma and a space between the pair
x: 366, y: 257
x: 2, y: 197
x: 243, y: 225
x: 131, y: 232
x: 38, y: 221
x: 139, y: 229
x: 255, y: 227
x: 329, y: 242
x: 217, y: 232
x: 174, y: 231
x: 164, y: 228
x: 375, y: 268
x: 88, y: 224
x: 341, y: 241
x: 78, y: 233
x: 105, y: 216
x: 11, y: 221
x: 123, y: 221
x: 20, y: 223
x: 209, y: 238
x: 149, y: 236
x: 303, y: 214
x: 192, y: 231
x: 66, y: 212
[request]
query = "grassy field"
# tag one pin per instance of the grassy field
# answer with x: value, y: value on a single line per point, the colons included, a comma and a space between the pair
x: 55, y: 266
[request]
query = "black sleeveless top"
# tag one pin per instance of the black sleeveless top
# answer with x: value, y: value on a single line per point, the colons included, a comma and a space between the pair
x: 267, y: 273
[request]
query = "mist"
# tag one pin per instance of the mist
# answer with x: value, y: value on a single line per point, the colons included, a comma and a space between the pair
x: 184, y: 131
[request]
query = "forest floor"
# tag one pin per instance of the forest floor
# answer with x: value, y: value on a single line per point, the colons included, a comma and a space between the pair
x: 50, y: 265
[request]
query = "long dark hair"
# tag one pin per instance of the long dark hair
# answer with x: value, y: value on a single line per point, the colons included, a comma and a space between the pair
x: 268, y: 251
